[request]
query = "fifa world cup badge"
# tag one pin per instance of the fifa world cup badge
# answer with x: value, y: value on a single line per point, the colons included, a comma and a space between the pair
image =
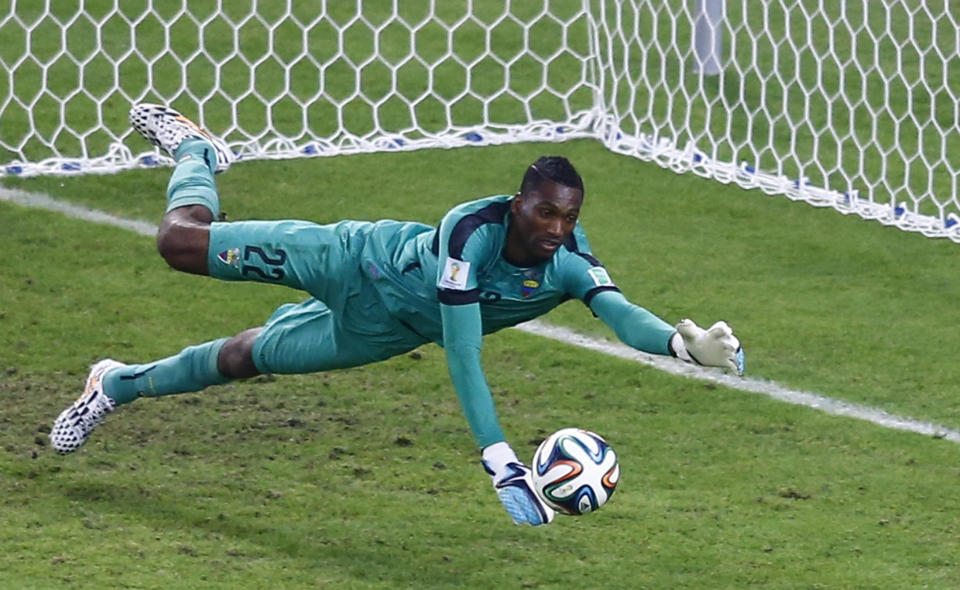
x: 600, y: 277
x: 455, y: 273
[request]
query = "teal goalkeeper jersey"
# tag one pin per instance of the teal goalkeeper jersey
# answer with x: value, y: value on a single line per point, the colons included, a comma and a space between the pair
x: 416, y: 267
x: 451, y: 285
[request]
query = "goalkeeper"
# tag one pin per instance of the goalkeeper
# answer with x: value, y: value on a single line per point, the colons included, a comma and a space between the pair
x: 381, y: 289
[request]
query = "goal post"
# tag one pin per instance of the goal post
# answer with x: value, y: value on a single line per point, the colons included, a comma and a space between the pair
x: 851, y: 105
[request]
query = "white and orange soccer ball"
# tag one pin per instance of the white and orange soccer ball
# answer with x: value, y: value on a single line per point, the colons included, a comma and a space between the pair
x: 575, y: 471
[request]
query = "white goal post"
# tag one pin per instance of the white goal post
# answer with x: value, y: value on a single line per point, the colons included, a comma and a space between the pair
x: 851, y: 104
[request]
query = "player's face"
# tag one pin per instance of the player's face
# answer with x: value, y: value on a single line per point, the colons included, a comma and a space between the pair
x: 542, y: 220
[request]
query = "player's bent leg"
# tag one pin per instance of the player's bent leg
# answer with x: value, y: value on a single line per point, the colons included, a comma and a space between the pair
x: 192, y: 181
x: 192, y: 204
x: 192, y: 369
x: 192, y: 199
x: 297, y: 254
x: 184, y: 239
x: 111, y: 384
x: 310, y: 337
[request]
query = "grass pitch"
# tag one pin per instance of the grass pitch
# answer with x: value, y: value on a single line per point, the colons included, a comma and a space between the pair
x: 367, y: 478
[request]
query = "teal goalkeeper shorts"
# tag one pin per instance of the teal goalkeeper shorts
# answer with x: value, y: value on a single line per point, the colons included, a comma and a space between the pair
x: 344, y: 324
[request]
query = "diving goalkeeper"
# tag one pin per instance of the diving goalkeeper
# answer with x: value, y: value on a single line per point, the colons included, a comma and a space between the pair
x: 379, y: 289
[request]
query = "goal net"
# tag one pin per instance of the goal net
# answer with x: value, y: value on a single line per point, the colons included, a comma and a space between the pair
x: 847, y: 104
x: 851, y: 104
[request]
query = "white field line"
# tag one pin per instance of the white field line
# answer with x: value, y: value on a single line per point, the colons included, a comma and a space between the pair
x: 42, y: 201
x: 768, y: 388
x: 568, y: 336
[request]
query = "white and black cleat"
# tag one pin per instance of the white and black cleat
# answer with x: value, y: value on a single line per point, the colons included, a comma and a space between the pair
x: 74, y: 425
x: 166, y: 128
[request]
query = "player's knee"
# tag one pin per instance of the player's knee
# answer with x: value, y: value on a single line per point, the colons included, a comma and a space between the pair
x: 236, y: 357
x: 183, y: 243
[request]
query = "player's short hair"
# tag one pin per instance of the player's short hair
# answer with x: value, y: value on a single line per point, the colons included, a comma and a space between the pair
x: 555, y: 168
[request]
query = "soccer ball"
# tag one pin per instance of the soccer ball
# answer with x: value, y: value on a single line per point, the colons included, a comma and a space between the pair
x: 575, y: 471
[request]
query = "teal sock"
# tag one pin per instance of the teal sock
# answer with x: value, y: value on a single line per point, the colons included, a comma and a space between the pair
x: 192, y: 370
x: 192, y: 181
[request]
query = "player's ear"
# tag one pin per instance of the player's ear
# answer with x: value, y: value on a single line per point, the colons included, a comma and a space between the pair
x: 515, y: 203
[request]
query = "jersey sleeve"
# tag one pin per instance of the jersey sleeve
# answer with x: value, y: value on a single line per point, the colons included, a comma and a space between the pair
x: 633, y: 325
x: 585, y: 278
x: 462, y: 341
x: 463, y: 248
x: 583, y: 275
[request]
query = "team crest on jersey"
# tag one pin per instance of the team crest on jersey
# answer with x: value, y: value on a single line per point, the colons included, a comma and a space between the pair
x: 455, y: 273
x: 531, y: 282
x: 230, y: 257
x: 529, y: 286
x: 600, y: 277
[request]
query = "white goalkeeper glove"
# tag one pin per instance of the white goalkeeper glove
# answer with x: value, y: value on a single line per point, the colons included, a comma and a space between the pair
x: 513, y: 483
x: 714, y: 347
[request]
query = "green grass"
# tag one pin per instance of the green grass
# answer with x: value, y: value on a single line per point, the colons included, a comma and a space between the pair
x: 367, y: 478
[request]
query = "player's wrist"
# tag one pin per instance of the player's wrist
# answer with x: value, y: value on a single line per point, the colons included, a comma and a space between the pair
x: 678, y: 349
x: 497, y: 457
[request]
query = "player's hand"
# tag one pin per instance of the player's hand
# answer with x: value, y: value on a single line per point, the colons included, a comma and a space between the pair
x: 516, y: 493
x: 713, y: 347
x: 513, y: 483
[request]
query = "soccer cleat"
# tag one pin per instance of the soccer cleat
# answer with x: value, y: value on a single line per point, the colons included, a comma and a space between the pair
x: 74, y: 425
x: 166, y: 128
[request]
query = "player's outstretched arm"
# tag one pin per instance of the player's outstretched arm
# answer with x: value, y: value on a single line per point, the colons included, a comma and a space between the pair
x: 641, y: 329
x: 634, y: 325
x: 462, y: 340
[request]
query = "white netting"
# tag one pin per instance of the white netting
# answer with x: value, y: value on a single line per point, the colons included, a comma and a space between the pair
x: 286, y: 79
x: 849, y: 104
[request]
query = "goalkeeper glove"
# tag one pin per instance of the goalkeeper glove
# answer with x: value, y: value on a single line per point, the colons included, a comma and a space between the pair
x: 513, y: 483
x: 714, y: 347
